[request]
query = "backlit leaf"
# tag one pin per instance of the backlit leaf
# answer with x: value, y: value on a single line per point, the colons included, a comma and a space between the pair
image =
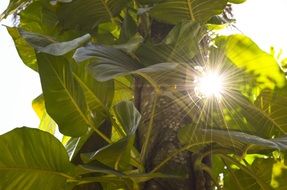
x: 33, y: 159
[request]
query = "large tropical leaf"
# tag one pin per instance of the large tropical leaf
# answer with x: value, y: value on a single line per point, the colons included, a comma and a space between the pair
x: 128, y: 28
x: 117, y: 61
x: 104, y: 72
x: 266, y: 117
x: 230, y: 139
x: 257, y: 175
x: 236, y: 1
x: 180, y: 45
x: 39, y: 17
x: 87, y: 14
x: 33, y: 159
x: 99, y: 95
x: 123, y: 89
x: 117, y: 155
x: 104, y: 54
x: 245, y: 54
x: 128, y: 116
x: 272, y: 105
x: 258, y: 172
x: 46, y: 122
x: 75, y: 144
x: 174, y: 11
x: 111, y: 62
x: 25, y: 51
x: 186, y: 36
x: 65, y: 101
x: 131, y: 45
x: 47, y: 45
x: 14, y: 5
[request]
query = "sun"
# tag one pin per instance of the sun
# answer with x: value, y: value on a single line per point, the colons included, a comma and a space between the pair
x: 209, y: 84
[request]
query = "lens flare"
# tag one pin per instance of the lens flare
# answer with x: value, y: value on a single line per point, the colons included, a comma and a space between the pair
x: 209, y: 84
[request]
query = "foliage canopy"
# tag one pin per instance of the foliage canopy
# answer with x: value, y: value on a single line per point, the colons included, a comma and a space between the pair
x: 89, y: 53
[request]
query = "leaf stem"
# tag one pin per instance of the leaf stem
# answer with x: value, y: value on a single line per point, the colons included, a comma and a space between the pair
x: 190, y: 10
x: 149, y: 130
x: 102, y: 134
x: 150, y: 80
x: 175, y: 153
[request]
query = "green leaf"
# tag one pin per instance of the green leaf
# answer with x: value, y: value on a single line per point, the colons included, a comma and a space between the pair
x: 97, y: 167
x: 88, y: 142
x: 185, y: 36
x: 47, y: 123
x: 160, y: 67
x: 233, y: 136
x: 104, y: 72
x: 65, y: 101
x: 129, y: 28
x: 75, y: 144
x: 239, y: 141
x: 123, y: 89
x: 87, y: 14
x: 47, y: 45
x: 33, y: 159
x: 116, y: 155
x: 25, y: 51
x: 174, y: 11
x: 14, y: 6
x: 131, y: 45
x: 266, y: 117
x: 151, y: 54
x: 272, y: 105
x: 99, y: 95
x: 236, y: 1
x: 104, y: 54
x: 65, y: 1
x: 180, y: 45
x: 261, y: 168
x: 114, y: 61
x: 110, y: 62
x: 128, y: 116
x: 140, y: 178
x: 40, y: 17
x: 245, y: 54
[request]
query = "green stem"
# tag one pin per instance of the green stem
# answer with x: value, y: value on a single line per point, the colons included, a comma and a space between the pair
x: 101, y: 134
x: 149, y: 130
x: 175, y: 153
x: 151, y: 81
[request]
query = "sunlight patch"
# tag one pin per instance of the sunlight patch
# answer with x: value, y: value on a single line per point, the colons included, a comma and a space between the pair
x: 209, y: 84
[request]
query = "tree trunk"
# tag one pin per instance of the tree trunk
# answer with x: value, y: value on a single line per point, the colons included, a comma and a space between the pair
x: 165, y: 118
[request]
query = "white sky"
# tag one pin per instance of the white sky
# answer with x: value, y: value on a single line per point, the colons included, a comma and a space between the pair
x: 19, y: 85
x: 262, y: 20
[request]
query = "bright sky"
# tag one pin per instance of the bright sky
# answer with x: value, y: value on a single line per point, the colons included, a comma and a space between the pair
x: 262, y: 20
x: 19, y: 85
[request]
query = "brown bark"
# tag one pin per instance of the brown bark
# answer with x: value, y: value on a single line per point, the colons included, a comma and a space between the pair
x: 167, y: 118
